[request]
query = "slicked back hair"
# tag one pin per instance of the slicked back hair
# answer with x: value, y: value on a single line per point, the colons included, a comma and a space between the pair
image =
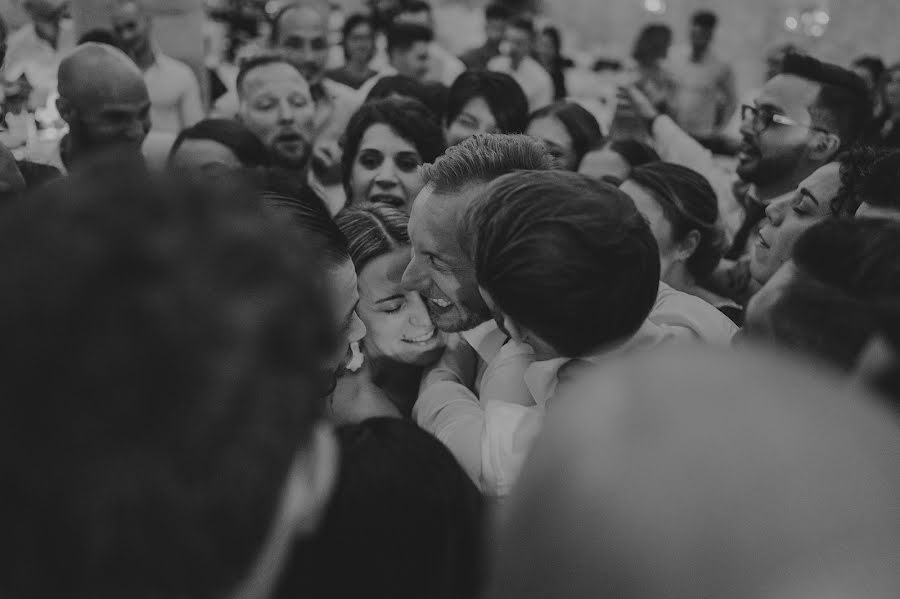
x: 482, y: 158
x: 566, y: 257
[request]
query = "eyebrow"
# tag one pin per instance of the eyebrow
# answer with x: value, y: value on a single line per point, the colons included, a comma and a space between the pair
x: 805, y: 192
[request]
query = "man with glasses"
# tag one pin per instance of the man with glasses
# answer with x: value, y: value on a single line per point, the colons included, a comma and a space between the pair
x: 801, y: 119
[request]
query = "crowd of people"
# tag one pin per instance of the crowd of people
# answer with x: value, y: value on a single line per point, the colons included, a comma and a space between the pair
x: 419, y: 325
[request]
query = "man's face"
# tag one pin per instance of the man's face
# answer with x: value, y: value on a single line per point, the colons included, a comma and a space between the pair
x: 701, y: 37
x: 779, y: 151
x: 123, y: 120
x: 303, y: 37
x: 277, y: 106
x: 132, y: 28
x: 518, y: 43
x: 494, y: 30
x: 439, y: 269
x: 788, y: 217
x: 413, y: 62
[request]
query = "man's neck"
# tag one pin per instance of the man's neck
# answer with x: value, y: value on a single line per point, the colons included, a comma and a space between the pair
x: 145, y: 57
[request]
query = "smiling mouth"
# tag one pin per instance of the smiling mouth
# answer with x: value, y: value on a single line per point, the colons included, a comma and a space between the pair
x: 390, y: 200
x: 440, y: 304
x: 430, y: 335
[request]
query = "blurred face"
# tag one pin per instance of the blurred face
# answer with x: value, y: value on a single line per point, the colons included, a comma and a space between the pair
x: 701, y: 37
x: 439, y: 269
x: 518, y: 43
x: 475, y: 117
x: 303, y: 37
x: 205, y: 157
x: 779, y: 150
x: 132, y: 28
x: 892, y: 90
x: 545, y: 48
x: 360, y: 43
x: 386, y: 169
x: 397, y: 322
x: 124, y: 120
x: 344, y: 296
x: 789, y: 216
x: 553, y: 133
x: 277, y: 106
x: 659, y: 224
x: 494, y: 30
x: 413, y: 62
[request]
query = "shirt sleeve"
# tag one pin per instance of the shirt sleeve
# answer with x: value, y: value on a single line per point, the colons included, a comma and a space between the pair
x: 675, y: 145
x: 191, y: 109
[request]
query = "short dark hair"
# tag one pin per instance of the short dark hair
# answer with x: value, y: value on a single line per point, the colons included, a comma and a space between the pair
x: 581, y: 125
x: 689, y: 203
x: 873, y: 64
x: 403, y: 36
x: 705, y: 19
x: 634, y: 152
x: 502, y: 93
x: 652, y: 43
x: 231, y: 134
x: 401, y: 499
x: 372, y: 230
x: 305, y: 212
x: 99, y: 36
x: 258, y: 61
x: 843, y: 104
x: 569, y: 258
x: 482, y: 158
x: 182, y: 335
x: 881, y: 186
x: 432, y: 94
x: 521, y: 23
x: 497, y: 12
x: 415, y: 6
x: 409, y: 119
x: 352, y: 22
x: 856, y: 167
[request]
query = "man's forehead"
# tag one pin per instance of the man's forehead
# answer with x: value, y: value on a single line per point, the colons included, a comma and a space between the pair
x: 788, y: 93
x: 279, y: 73
x: 303, y: 21
x: 439, y: 213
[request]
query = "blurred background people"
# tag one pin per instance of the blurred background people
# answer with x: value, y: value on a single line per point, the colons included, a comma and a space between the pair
x: 517, y: 62
x: 568, y: 130
x: 548, y: 50
x: 496, y: 17
x: 358, y: 42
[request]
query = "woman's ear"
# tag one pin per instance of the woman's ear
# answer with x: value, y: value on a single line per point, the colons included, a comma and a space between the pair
x: 688, y: 246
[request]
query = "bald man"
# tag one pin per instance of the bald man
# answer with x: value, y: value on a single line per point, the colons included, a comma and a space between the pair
x: 700, y: 474
x: 103, y: 98
x: 174, y: 90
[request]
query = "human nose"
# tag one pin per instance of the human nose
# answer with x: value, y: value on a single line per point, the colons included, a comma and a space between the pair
x: 387, y: 174
x: 418, y: 314
x: 775, y: 211
x: 285, y: 112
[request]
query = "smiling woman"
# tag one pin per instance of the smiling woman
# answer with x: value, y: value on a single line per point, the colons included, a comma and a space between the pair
x: 385, y: 144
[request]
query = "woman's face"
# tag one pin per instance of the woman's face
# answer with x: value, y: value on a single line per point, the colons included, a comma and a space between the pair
x: 789, y: 216
x: 892, y: 89
x: 205, y: 157
x: 475, y: 118
x: 360, y: 43
x: 386, y: 169
x: 559, y: 143
x: 545, y: 48
x: 397, y: 321
x: 659, y: 224
x: 344, y: 296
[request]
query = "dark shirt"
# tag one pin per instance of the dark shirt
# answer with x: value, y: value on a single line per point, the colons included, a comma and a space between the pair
x: 477, y: 59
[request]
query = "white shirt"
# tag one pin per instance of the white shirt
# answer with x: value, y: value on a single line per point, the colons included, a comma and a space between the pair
x: 531, y: 77
x: 175, y: 102
x: 32, y: 56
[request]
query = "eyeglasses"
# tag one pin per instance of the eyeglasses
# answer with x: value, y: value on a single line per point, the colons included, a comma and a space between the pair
x: 762, y: 119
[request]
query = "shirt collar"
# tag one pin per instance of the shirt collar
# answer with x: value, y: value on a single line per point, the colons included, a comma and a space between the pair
x: 486, y: 339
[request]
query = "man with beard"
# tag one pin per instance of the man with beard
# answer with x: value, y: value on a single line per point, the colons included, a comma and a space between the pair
x: 800, y: 121
x: 277, y: 106
x: 174, y: 91
x: 104, y: 100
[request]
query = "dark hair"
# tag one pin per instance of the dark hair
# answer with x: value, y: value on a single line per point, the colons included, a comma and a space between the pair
x: 99, y: 36
x: 405, y: 522
x: 521, y: 23
x: 231, y: 134
x: 258, y: 61
x: 372, y: 230
x: 843, y: 104
x: 415, y: 6
x: 431, y: 94
x: 856, y: 167
x: 183, y: 334
x: 568, y: 258
x: 689, y: 203
x: 705, y: 19
x: 352, y: 22
x: 409, y: 119
x: 306, y: 213
x: 652, y: 43
x: 885, y: 77
x: 403, y: 36
x: 846, y: 272
x: 881, y: 186
x: 555, y: 36
x: 501, y: 92
x: 873, y: 64
x: 483, y: 158
x: 580, y: 124
x: 635, y: 153
x: 497, y: 12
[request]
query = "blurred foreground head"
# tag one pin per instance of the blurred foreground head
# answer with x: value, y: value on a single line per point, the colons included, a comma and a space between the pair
x: 697, y: 474
x: 159, y: 392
